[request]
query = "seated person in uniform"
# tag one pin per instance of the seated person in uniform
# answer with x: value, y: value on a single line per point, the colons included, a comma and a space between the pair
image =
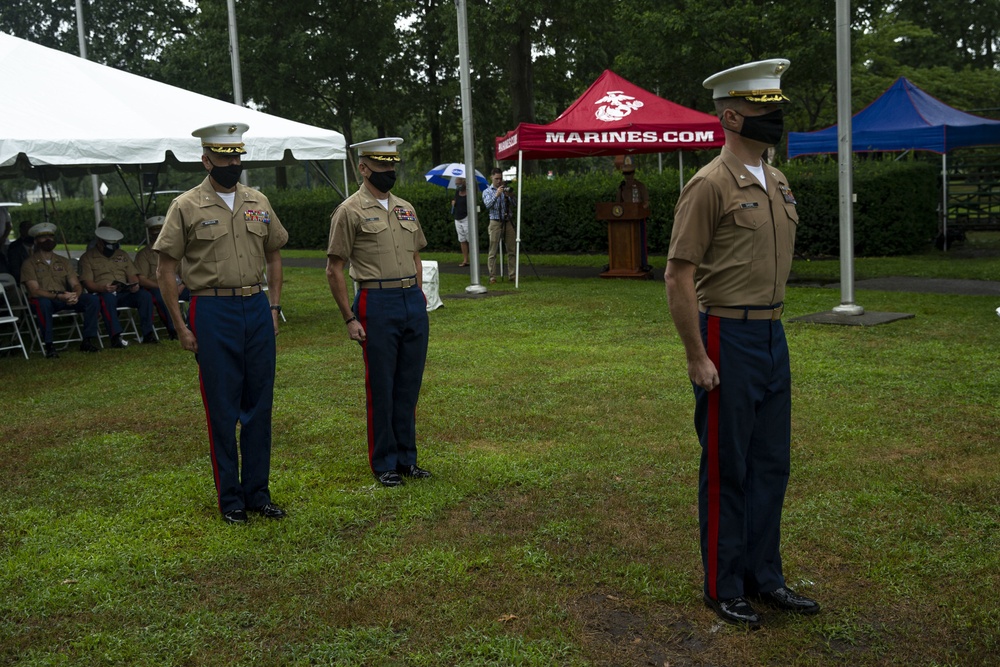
x: 52, y: 286
x: 108, y: 271
x: 146, y: 261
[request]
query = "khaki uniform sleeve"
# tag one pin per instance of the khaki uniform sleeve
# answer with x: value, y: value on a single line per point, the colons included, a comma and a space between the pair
x: 28, y: 271
x: 696, y: 217
x: 277, y: 235
x: 173, y: 237
x: 342, y: 232
x: 85, y: 269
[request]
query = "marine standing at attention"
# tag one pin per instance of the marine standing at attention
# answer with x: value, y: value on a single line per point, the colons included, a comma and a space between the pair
x: 223, y: 235
x: 380, y: 235
x: 730, y: 255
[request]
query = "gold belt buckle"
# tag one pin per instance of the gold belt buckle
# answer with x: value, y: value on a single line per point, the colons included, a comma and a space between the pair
x: 408, y: 282
x: 246, y: 291
x: 776, y: 313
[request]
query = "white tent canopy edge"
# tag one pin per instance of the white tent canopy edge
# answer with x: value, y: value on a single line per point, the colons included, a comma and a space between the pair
x: 63, y: 111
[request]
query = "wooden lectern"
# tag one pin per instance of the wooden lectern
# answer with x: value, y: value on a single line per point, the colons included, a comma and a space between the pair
x: 624, y: 239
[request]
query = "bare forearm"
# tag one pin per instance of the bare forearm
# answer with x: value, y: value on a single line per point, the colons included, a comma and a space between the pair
x: 338, y: 286
x: 167, y: 281
x: 275, y: 277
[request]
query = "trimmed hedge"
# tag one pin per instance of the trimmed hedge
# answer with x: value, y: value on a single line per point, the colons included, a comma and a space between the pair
x: 895, y: 213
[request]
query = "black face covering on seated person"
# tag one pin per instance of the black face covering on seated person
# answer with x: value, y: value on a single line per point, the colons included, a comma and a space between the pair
x: 766, y: 129
x: 46, y: 245
x: 382, y: 180
x: 109, y: 248
x: 227, y: 176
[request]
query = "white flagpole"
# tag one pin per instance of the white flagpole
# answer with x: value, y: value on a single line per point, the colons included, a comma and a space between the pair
x: 845, y: 157
x: 82, y: 36
x: 467, y: 136
x: 234, y: 57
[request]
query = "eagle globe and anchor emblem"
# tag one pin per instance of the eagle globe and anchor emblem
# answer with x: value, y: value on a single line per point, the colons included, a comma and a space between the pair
x: 616, y: 105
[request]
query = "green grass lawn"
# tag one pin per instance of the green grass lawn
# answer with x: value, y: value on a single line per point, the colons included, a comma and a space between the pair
x: 561, y: 525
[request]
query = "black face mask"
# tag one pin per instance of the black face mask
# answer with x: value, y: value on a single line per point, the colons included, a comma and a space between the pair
x: 109, y: 249
x: 46, y: 245
x: 767, y: 129
x: 382, y: 180
x: 227, y: 176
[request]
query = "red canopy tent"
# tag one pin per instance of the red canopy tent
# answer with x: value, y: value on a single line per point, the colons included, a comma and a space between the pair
x: 612, y: 117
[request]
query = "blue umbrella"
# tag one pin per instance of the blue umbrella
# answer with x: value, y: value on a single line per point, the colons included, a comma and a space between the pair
x: 445, y: 175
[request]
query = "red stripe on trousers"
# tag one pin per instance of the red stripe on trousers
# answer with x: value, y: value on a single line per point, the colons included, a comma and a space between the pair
x: 363, y: 321
x: 38, y: 314
x: 192, y: 310
x: 713, y: 462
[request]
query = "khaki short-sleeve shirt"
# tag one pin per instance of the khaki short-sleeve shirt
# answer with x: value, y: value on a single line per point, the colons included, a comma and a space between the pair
x: 146, y: 262
x: 217, y: 247
x: 53, y: 276
x: 379, y: 244
x: 96, y: 267
x: 739, y: 235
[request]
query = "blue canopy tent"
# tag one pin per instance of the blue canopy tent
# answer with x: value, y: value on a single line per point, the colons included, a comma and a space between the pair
x: 904, y: 118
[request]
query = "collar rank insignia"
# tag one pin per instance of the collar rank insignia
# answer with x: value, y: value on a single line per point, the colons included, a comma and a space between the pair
x: 405, y: 214
x: 250, y: 215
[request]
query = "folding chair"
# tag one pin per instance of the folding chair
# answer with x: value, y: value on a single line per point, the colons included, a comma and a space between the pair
x: 128, y: 324
x: 66, y: 327
x: 8, y: 318
x: 18, y: 305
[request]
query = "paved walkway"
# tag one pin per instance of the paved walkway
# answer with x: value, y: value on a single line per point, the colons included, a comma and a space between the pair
x: 897, y: 284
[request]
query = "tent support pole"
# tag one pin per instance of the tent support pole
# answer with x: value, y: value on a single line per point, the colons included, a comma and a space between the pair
x: 944, y: 197
x: 346, y: 189
x: 121, y: 175
x: 329, y: 181
x: 680, y: 167
x: 520, y: 190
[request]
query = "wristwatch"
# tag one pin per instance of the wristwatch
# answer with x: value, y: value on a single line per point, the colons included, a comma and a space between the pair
x: 277, y: 308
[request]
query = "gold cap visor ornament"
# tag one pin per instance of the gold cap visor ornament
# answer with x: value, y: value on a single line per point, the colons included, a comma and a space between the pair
x: 758, y: 82
x: 223, y: 138
x: 380, y: 150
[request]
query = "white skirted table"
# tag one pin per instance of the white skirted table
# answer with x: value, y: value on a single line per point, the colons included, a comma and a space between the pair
x: 430, y: 284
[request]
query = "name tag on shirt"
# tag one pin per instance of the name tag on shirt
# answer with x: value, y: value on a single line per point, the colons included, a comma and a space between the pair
x: 405, y: 214
x: 749, y: 204
x: 206, y: 223
x: 251, y: 215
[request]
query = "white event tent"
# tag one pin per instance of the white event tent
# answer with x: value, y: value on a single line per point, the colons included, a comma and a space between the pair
x: 63, y: 113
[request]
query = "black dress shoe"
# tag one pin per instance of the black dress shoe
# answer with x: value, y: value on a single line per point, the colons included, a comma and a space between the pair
x: 269, y: 511
x: 118, y: 341
x: 414, y: 471
x: 150, y: 339
x: 736, y: 610
x: 235, y: 516
x: 787, y: 599
x: 172, y: 335
x: 389, y: 478
x: 50, y: 351
x: 88, y: 345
